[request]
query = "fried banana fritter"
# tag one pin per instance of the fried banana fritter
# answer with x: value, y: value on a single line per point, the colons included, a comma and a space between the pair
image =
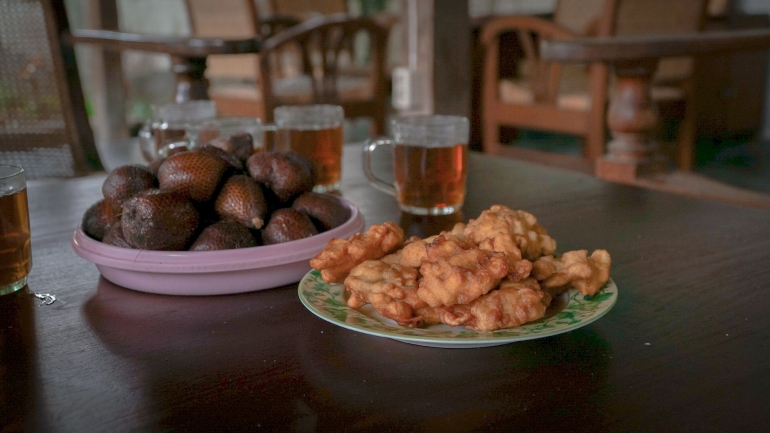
x: 513, y: 304
x: 529, y: 236
x: 340, y: 256
x: 573, y: 269
x: 390, y: 288
x: 455, y: 271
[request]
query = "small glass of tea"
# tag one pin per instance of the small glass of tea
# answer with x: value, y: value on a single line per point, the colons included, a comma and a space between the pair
x: 430, y: 163
x: 167, y: 128
x: 314, y: 131
x: 15, y: 249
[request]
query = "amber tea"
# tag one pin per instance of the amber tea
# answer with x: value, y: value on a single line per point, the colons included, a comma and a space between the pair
x: 430, y: 159
x: 15, y: 249
x: 430, y: 177
x: 322, y: 146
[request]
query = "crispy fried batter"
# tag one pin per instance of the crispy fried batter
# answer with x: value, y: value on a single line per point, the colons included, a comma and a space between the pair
x: 513, y: 304
x: 412, y: 253
x: 340, y: 256
x: 455, y: 271
x: 573, y: 268
x: 457, y: 229
x: 518, y: 268
x: 390, y: 288
x: 529, y: 236
x: 459, y: 277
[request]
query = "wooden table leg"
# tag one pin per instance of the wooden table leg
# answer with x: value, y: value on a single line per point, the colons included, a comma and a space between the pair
x: 632, y: 119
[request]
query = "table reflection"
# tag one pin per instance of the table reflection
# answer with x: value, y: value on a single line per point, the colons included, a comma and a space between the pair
x: 18, y: 362
x: 196, y: 352
x: 424, y: 226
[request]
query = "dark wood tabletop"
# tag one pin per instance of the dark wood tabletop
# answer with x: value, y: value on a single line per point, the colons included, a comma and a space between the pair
x: 686, y: 347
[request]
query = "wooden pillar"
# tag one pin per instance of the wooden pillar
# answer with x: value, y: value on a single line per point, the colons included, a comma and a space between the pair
x: 452, y: 58
x: 114, y: 90
x: 437, y: 46
x: 632, y: 119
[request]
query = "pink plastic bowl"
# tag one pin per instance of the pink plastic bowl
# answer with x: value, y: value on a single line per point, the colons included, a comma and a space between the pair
x: 210, y: 272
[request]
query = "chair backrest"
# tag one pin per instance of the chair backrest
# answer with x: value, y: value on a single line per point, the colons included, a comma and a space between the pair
x: 43, y: 121
x: 662, y: 17
x: 320, y: 41
x: 633, y: 18
x: 233, y: 19
x: 580, y: 16
x: 226, y: 19
x: 304, y: 8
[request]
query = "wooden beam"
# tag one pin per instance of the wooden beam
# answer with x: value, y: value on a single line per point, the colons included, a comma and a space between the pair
x: 633, y: 48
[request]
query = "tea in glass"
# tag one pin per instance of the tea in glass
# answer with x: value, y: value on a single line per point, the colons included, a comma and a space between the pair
x: 430, y: 176
x: 224, y: 128
x: 430, y: 163
x: 169, y: 124
x: 314, y: 131
x: 15, y: 248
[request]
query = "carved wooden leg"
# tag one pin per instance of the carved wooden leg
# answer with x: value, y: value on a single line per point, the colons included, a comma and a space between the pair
x: 685, y: 139
x: 632, y: 118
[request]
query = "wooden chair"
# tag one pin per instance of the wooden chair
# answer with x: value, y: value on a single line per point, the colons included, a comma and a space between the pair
x: 633, y: 155
x: 571, y: 99
x: 232, y: 75
x: 44, y: 125
x: 323, y: 49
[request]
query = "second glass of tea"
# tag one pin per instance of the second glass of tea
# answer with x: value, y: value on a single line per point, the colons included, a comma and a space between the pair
x: 168, y: 124
x: 15, y: 249
x: 430, y: 163
x: 314, y: 131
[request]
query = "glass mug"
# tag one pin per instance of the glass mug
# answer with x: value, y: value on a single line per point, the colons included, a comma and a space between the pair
x: 205, y: 131
x: 430, y: 163
x: 15, y: 249
x: 168, y: 125
x: 314, y: 131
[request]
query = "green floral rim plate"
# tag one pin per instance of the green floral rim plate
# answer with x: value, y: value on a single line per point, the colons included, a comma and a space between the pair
x: 572, y: 311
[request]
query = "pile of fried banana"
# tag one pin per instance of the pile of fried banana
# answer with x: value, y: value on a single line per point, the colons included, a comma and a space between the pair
x: 497, y: 271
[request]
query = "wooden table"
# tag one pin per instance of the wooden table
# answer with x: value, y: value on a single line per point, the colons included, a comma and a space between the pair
x: 686, y: 348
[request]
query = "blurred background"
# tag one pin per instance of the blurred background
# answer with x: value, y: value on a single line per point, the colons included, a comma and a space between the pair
x: 434, y: 64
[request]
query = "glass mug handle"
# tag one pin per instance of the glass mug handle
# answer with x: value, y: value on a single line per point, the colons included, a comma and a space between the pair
x: 369, y: 147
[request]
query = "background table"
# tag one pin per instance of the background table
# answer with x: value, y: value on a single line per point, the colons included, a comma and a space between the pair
x: 686, y: 348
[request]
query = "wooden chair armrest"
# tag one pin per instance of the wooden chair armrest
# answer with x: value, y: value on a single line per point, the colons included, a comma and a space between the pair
x: 638, y: 48
x: 544, y: 76
x: 172, y: 45
x: 276, y: 23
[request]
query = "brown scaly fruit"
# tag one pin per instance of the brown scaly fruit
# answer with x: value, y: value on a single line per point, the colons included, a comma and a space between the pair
x: 115, y: 236
x: 98, y: 219
x: 159, y: 220
x: 195, y: 175
x: 224, y: 235
x: 241, y: 200
x: 286, y: 174
x: 286, y: 225
x: 305, y: 162
x: 326, y: 211
x: 241, y: 145
x: 230, y: 158
x: 125, y: 182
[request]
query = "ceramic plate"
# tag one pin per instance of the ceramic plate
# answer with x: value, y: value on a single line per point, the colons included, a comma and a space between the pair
x: 572, y: 311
